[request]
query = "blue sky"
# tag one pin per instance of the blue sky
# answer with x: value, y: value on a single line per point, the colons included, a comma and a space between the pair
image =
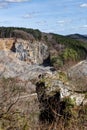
x: 57, y: 16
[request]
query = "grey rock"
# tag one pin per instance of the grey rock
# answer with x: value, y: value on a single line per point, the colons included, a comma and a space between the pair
x: 78, y: 76
x: 11, y: 66
x: 35, y: 52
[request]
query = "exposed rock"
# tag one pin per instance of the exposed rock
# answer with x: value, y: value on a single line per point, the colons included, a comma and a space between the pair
x: 54, y: 85
x: 35, y: 52
x: 79, y: 70
x: 78, y: 76
x: 10, y: 66
x: 32, y: 52
x: 53, y: 95
x: 6, y: 43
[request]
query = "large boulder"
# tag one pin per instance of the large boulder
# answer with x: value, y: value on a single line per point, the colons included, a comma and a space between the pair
x: 59, y: 83
x: 78, y: 76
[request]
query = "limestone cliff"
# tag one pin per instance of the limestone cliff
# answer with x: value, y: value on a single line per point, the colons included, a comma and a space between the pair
x: 6, y: 43
x: 32, y: 52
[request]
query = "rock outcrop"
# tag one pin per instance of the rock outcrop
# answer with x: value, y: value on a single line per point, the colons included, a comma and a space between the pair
x: 78, y: 76
x: 59, y: 83
x: 6, y: 43
x: 11, y: 66
x: 32, y: 52
x: 59, y: 100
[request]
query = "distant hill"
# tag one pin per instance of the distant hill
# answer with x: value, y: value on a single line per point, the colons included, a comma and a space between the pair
x: 79, y: 37
x: 64, y: 50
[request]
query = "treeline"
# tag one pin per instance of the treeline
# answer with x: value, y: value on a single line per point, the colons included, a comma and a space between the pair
x: 7, y: 32
x: 74, y: 50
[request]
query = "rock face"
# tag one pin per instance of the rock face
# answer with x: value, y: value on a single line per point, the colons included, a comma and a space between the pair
x: 79, y: 70
x: 35, y: 52
x: 53, y: 85
x: 32, y: 52
x: 78, y: 76
x: 11, y: 66
x: 6, y: 43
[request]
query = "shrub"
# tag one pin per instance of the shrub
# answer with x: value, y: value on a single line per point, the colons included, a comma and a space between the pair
x: 57, y: 61
x: 70, y: 54
x: 67, y: 110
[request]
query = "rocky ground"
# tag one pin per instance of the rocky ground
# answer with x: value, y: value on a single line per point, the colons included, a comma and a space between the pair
x: 27, y: 88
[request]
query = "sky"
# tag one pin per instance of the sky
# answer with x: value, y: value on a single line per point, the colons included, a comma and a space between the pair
x: 55, y: 16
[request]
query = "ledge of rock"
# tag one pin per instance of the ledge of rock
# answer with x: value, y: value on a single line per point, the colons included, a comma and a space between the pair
x: 53, y: 84
x: 78, y: 76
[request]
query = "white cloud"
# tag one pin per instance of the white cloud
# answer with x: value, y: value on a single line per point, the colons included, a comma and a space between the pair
x: 64, y: 21
x: 28, y: 16
x: 85, y: 26
x: 41, y: 22
x: 16, y: 1
x: 5, y: 3
x: 61, y: 21
x: 83, y: 5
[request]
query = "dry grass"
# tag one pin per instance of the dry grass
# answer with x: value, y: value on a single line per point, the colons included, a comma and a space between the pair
x: 24, y: 113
